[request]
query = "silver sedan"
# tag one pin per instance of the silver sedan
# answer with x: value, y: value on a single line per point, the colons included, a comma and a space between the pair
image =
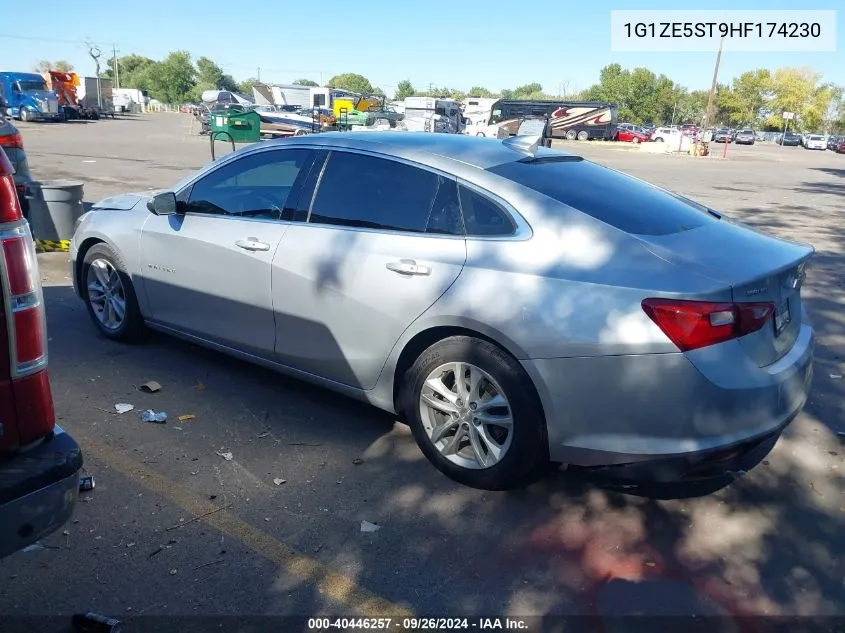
x: 519, y: 307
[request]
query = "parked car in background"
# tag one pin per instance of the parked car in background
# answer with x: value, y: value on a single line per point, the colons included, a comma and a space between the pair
x: 722, y: 135
x: 633, y: 134
x: 39, y: 462
x: 11, y: 142
x: 790, y: 139
x: 840, y: 146
x: 833, y: 142
x: 666, y: 135
x: 815, y: 141
x: 377, y: 264
x: 745, y: 137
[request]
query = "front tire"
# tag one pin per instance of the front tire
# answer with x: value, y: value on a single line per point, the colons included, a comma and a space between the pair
x: 571, y: 135
x: 475, y: 415
x: 110, y: 296
x: 635, y: 140
x: 23, y: 115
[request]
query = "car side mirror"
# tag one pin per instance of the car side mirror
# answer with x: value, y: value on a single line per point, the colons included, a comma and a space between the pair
x: 163, y: 204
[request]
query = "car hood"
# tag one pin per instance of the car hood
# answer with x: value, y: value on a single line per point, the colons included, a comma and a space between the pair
x: 124, y: 201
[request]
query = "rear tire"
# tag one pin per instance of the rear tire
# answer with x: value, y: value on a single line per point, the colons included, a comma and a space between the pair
x: 583, y: 135
x: 512, y: 455
x: 105, y: 285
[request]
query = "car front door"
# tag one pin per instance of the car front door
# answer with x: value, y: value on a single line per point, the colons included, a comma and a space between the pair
x: 382, y: 240
x: 206, y: 271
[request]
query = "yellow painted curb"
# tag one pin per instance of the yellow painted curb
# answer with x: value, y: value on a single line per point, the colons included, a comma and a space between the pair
x: 52, y: 246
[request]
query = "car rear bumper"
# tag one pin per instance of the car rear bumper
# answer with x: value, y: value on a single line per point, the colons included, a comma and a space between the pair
x: 38, y: 490
x: 624, y: 410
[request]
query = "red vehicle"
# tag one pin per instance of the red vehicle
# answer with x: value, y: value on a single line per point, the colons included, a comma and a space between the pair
x: 840, y: 147
x: 39, y: 462
x: 632, y: 134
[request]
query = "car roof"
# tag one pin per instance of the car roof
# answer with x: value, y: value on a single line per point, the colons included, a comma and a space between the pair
x: 423, y: 147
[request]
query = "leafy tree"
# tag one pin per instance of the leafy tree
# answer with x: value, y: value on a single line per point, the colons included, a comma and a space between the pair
x: 172, y: 79
x: 792, y: 91
x: 61, y: 65
x: 133, y: 71
x: 478, y: 91
x: 691, y: 106
x: 404, y: 89
x: 306, y: 82
x: 747, y: 98
x: 352, y: 82
x: 246, y: 85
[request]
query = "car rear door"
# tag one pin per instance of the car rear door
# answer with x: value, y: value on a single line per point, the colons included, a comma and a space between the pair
x: 381, y: 240
x: 206, y: 272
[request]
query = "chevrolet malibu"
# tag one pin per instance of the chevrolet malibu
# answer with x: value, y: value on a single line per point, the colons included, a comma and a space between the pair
x: 518, y: 307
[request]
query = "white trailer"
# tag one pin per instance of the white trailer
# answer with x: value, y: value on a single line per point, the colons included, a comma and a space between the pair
x: 130, y: 100
x: 477, y: 110
x: 95, y: 93
x: 431, y: 114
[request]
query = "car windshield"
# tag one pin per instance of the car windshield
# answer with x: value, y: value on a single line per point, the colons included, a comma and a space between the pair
x: 747, y: 132
x: 617, y: 199
x: 816, y: 138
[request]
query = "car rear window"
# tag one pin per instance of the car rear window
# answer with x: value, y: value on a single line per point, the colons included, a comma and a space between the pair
x: 612, y: 197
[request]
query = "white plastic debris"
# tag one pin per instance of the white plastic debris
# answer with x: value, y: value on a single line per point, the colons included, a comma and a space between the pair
x: 279, y: 481
x: 366, y: 526
x: 149, y: 415
x: 123, y: 407
x: 836, y: 376
x: 227, y: 456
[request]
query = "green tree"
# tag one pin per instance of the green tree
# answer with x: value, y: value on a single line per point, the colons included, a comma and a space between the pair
x: 246, y: 85
x: 306, y: 82
x: 61, y: 65
x: 172, y: 79
x: 691, y: 106
x: 478, y: 91
x: 746, y: 102
x: 404, y: 89
x: 133, y: 71
x: 211, y: 77
x: 792, y: 90
x: 352, y: 82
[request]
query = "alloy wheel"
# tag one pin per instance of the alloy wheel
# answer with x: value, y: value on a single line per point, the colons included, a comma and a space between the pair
x: 466, y: 415
x: 106, y: 294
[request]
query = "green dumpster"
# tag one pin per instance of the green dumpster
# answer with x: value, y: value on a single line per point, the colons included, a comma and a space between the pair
x: 239, y: 127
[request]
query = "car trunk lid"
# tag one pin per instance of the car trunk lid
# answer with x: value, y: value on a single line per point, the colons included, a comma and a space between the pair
x: 758, y: 268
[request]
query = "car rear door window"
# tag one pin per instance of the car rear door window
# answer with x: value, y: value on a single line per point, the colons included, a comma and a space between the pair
x: 619, y: 200
x: 260, y: 185
x: 357, y: 190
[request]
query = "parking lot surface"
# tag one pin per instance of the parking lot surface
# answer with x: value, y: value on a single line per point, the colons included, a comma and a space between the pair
x: 174, y: 528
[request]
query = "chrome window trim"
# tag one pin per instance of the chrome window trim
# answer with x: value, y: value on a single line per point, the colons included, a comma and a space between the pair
x: 523, y: 228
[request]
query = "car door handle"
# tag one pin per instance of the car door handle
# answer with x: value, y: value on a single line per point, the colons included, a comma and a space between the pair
x: 408, y: 267
x: 252, y: 244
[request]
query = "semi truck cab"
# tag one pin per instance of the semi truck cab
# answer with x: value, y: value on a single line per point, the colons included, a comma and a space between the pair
x: 28, y: 98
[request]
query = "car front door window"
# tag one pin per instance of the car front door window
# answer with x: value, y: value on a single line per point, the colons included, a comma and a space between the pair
x: 259, y: 185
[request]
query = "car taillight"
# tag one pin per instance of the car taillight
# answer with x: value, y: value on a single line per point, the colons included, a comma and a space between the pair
x: 24, y: 305
x: 10, y: 207
x: 12, y: 141
x: 694, y: 324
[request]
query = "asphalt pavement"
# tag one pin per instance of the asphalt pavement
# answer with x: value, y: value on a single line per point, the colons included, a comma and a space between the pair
x: 278, y: 498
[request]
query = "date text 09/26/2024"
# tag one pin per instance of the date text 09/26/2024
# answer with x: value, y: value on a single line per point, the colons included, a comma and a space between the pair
x: 417, y: 624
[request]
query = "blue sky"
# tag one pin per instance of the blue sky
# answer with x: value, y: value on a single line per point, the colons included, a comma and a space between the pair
x: 454, y: 43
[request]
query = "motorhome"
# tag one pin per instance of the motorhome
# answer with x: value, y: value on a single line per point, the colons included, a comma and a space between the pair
x: 431, y: 114
x: 582, y: 120
x: 477, y: 110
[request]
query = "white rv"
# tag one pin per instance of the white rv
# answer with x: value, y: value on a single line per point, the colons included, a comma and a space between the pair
x: 430, y: 114
x: 477, y: 110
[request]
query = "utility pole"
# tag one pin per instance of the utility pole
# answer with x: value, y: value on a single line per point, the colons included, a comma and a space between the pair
x: 259, y: 74
x: 116, y: 69
x: 712, y: 97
